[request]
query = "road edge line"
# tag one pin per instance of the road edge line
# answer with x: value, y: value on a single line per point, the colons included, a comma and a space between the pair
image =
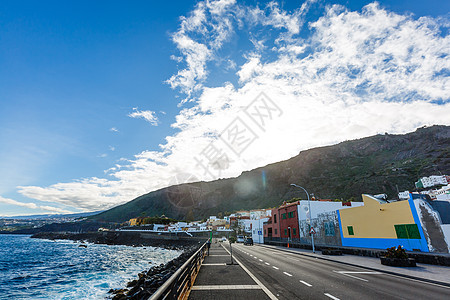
x: 263, y: 287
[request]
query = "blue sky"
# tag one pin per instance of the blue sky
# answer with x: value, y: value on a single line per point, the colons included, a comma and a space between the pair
x: 102, y: 102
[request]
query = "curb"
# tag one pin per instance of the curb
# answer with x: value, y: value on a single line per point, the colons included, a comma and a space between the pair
x: 364, y: 267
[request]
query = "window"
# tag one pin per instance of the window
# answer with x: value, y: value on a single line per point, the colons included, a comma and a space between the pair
x: 294, y: 231
x: 350, y: 230
x: 283, y: 216
x: 276, y: 231
x: 407, y: 231
x: 292, y: 214
x: 275, y: 219
x: 285, y: 232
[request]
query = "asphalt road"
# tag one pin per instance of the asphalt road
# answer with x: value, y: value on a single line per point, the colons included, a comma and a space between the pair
x: 294, y: 276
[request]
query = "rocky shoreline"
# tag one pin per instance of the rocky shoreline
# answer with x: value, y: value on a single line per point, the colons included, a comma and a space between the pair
x: 148, y: 281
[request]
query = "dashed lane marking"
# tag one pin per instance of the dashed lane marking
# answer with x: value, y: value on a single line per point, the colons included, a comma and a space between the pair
x: 275, y: 268
x: 305, y: 283
x: 214, y: 264
x: 267, y: 263
x: 331, y: 296
x: 260, y: 260
x: 286, y: 273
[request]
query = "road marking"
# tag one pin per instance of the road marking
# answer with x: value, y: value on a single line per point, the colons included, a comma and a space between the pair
x: 388, y: 274
x: 275, y: 268
x: 331, y: 296
x: 292, y: 258
x: 255, y: 257
x: 264, y: 288
x: 261, y: 260
x: 267, y: 263
x: 286, y: 273
x: 226, y: 287
x: 347, y: 273
x: 224, y: 264
x: 219, y: 255
x: 305, y: 283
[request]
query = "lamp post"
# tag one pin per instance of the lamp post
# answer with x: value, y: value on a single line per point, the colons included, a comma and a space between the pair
x: 310, y: 214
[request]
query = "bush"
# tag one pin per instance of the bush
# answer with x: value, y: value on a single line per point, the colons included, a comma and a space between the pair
x: 398, y: 252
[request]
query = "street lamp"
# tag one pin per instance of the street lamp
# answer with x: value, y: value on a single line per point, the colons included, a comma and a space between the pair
x: 310, y: 214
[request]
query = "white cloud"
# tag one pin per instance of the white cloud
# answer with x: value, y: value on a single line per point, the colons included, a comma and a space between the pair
x: 112, y: 148
x: 113, y: 129
x: 211, y: 20
x: 147, y: 115
x: 34, y: 206
x: 358, y: 74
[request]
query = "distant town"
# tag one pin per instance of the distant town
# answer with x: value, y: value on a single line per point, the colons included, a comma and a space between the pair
x: 419, y: 221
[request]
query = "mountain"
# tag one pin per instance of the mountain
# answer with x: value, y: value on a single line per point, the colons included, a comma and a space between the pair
x: 376, y: 164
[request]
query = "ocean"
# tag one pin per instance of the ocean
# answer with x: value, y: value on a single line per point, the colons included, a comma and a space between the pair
x: 44, y: 269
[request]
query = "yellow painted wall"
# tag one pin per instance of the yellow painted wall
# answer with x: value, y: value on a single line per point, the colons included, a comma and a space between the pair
x: 375, y: 220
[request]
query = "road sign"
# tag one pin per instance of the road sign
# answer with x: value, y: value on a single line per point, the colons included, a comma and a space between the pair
x: 312, y: 231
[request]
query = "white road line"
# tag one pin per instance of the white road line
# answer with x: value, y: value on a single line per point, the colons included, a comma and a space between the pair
x: 219, y: 264
x: 305, y: 283
x: 292, y: 258
x: 286, y: 273
x: 267, y: 263
x: 347, y: 273
x: 226, y: 287
x: 264, y: 288
x: 331, y: 296
x: 275, y: 268
x: 255, y: 257
x: 261, y: 260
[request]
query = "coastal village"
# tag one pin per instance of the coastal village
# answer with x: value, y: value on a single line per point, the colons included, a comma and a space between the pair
x: 419, y: 221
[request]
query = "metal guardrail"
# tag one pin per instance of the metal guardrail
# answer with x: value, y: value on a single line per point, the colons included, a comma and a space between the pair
x: 180, y: 283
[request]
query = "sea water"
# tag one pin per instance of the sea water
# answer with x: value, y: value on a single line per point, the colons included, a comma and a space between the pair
x: 45, y: 269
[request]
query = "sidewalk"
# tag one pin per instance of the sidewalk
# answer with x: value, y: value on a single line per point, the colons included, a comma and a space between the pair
x: 217, y: 279
x: 430, y: 273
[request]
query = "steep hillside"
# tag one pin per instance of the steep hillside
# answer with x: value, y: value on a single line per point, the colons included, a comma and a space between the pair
x: 376, y: 164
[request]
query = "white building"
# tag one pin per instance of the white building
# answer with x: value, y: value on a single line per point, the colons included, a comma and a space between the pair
x: 403, y: 195
x: 260, y: 213
x: 432, y: 181
x: 443, y: 193
x: 318, y: 207
x: 258, y: 230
